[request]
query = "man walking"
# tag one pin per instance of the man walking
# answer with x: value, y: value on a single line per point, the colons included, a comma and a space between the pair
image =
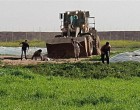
x: 105, y: 51
x: 25, y: 45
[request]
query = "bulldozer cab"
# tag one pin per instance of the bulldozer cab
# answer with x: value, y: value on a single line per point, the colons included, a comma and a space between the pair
x: 75, y: 19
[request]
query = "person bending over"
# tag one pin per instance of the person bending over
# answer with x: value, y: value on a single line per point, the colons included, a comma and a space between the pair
x: 105, y: 51
x: 37, y: 54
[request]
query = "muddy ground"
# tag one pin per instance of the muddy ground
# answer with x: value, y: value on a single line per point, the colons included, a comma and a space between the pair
x: 15, y: 60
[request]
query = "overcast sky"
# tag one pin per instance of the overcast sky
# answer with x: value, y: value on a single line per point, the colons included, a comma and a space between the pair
x: 43, y: 15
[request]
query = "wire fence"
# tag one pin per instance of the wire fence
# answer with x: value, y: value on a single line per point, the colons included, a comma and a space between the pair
x: 16, y: 36
x: 120, y: 35
x: 43, y: 36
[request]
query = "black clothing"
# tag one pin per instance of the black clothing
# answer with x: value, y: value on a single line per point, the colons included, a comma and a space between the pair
x: 105, y: 51
x: 25, y: 45
x: 23, y: 51
x: 103, y: 57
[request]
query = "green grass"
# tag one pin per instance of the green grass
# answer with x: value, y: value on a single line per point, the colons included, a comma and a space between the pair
x: 72, y: 86
x: 33, y: 43
x: 122, y: 43
x: 114, y: 43
x: 75, y: 86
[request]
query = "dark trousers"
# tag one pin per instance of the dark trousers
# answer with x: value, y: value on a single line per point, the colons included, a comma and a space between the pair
x: 23, y: 51
x: 103, y: 57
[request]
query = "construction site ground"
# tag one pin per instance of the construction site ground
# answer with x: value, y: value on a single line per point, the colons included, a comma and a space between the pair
x: 15, y: 60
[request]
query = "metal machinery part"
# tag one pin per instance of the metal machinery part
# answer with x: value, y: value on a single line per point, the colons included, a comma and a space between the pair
x: 76, y: 25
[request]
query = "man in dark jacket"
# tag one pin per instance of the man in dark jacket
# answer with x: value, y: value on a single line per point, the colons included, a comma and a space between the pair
x: 25, y: 45
x: 105, y: 51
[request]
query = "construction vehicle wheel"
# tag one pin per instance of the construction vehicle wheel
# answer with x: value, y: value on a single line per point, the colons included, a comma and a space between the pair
x: 89, y: 46
x: 97, y: 46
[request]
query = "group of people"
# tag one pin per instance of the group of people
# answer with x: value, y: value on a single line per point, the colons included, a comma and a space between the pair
x: 105, y: 50
x: 25, y: 47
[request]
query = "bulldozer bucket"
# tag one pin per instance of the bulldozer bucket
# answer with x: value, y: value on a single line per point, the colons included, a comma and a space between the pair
x: 63, y: 48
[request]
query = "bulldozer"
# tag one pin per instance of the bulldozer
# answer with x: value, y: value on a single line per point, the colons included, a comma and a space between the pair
x: 77, y: 25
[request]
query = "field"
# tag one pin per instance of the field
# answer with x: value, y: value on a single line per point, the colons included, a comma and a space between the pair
x: 33, y: 43
x: 72, y: 86
x: 114, y: 43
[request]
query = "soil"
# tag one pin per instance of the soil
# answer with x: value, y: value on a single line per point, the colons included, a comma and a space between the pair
x: 15, y: 60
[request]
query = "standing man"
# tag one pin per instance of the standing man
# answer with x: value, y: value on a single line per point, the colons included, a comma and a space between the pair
x: 76, y: 46
x: 25, y: 45
x: 73, y: 25
x: 105, y: 51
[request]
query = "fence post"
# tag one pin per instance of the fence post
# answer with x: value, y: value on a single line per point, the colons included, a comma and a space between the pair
x: 39, y: 33
x: 110, y: 36
x: 124, y: 38
x: 26, y: 35
x: 138, y: 35
x: 124, y: 35
x: 12, y: 37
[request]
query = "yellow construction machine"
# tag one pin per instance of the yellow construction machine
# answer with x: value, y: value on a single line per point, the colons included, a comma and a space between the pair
x: 76, y: 25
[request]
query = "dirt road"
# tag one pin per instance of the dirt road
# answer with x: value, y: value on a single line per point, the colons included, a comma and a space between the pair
x: 15, y: 60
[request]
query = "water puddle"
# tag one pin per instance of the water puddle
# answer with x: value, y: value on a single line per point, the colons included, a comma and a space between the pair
x: 17, y: 50
x: 127, y: 56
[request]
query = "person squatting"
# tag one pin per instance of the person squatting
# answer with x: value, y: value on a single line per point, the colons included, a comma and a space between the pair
x: 37, y: 54
x: 105, y: 51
